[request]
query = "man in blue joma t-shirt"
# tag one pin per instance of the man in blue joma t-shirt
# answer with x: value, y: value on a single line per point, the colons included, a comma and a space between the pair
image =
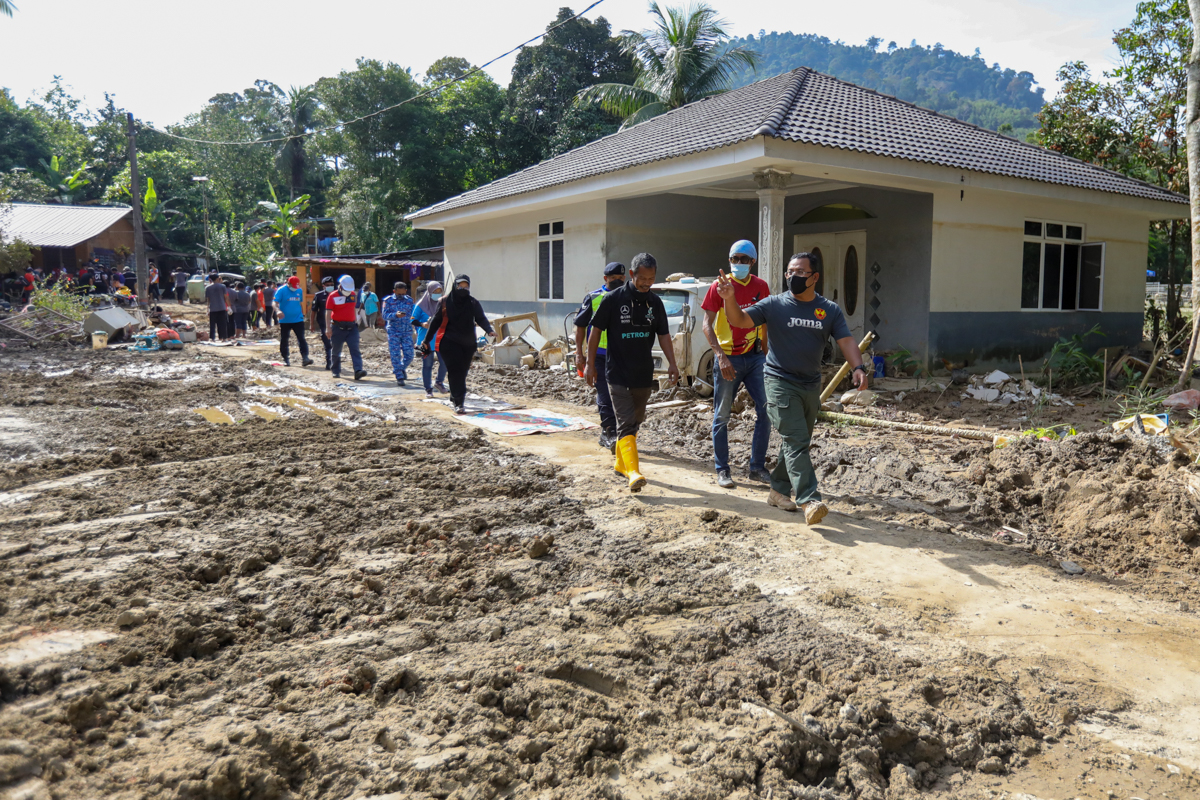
x: 798, y: 322
x: 289, y: 304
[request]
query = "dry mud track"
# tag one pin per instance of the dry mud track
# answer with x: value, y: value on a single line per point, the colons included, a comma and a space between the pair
x: 308, y: 608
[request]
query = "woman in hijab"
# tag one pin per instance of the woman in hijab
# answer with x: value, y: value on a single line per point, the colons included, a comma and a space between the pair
x: 453, y: 332
x: 422, y: 313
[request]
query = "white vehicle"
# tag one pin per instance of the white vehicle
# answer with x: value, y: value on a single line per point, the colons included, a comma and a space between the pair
x: 693, y: 354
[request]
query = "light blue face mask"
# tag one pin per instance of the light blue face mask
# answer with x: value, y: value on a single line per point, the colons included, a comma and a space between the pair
x: 740, y: 271
x: 436, y: 295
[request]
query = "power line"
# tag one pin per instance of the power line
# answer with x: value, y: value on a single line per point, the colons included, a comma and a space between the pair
x: 412, y: 99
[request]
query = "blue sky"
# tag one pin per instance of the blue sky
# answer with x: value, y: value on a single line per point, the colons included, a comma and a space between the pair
x: 163, y: 60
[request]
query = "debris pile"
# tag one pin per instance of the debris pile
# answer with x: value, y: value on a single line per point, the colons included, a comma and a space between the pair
x: 1002, y: 389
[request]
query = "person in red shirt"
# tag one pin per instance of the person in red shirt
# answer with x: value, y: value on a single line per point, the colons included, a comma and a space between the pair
x: 342, y: 326
x: 738, y: 361
x: 30, y: 285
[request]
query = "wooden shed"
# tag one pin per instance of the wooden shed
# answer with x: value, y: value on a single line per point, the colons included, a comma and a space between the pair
x: 381, y: 270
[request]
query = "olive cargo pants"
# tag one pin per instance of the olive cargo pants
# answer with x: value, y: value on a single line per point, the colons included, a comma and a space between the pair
x: 793, y: 412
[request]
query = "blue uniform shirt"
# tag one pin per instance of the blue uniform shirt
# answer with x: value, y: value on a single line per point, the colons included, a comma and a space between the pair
x: 291, y: 303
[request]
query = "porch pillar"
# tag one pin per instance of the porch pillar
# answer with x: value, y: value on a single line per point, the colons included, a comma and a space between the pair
x: 772, y: 186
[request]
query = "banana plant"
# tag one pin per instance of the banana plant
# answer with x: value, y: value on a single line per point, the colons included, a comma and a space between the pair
x: 64, y: 188
x: 285, y: 222
x: 160, y: 220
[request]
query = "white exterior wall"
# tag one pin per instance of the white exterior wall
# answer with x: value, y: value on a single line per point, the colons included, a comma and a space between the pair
x: 501, y: 254
x: 977, y: 244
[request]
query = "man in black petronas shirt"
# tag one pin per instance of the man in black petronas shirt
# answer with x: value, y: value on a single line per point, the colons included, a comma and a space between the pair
x: 631, y: 316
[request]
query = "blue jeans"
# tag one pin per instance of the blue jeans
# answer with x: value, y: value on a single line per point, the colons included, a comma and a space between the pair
x: 345, y: 335
x: 427, y: 370
x: 749, y: 373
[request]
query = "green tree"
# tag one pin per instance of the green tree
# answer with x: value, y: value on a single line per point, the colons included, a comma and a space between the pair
x: 23, y: 186
x: 232, y: 246
x: 7, y: 7
x: 65, y: 187
x: 23, y: 143
x: 285, y: 220
x: 298, y: 114
x: 238, y: 175
x: 181, y: 221
x: 539, y: 106
x: 685, y: 57
x: 468, y: 129
x: 1132, y: 122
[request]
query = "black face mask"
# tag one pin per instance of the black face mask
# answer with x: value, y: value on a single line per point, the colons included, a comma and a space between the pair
x: 798, y: 284
x: 613, y: 285
x: 461, y: 294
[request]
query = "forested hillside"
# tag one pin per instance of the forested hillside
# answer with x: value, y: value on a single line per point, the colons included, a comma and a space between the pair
x: 961, y: 86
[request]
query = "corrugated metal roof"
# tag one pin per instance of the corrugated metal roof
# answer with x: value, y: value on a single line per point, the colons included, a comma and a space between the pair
x: 58, y: 226
x: 808, y: 106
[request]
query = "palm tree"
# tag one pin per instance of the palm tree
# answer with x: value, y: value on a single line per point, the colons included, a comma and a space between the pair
x: 680, y: 60
x: 298, y: 115
x: 7, y: 7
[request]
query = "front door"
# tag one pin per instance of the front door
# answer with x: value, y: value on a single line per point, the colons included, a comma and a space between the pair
x: 843, y: 272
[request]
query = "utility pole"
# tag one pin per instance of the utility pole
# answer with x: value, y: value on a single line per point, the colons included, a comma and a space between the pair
x: 139, y: 239
x: 208, y: 254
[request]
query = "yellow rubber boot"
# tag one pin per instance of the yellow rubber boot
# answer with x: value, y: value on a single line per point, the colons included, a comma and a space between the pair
x: 619, y: 465
x: 627, y: 447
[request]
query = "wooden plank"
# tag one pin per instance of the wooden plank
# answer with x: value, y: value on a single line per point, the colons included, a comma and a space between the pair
x: 670, y: 404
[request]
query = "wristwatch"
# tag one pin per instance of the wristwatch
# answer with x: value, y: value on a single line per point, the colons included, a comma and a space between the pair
x: 860, y: 366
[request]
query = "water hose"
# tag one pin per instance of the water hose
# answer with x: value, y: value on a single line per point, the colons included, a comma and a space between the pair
x: 871, y: 422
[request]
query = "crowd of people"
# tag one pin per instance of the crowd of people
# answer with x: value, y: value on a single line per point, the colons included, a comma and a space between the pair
x: 618, y: 324
x: 769, y: 344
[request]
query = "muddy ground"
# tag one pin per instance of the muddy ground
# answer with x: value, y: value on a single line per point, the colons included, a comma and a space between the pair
x: 340, y: 598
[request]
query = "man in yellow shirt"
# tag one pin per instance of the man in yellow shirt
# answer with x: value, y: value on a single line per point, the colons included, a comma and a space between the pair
x: 739, y: 356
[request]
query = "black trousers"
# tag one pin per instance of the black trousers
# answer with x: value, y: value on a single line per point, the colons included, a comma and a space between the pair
x: 268, y: 315
x: 328, y: 345
x: 629, y: 405
x: 457, y: 358
x: 296, y: 328
x: 216, y: 325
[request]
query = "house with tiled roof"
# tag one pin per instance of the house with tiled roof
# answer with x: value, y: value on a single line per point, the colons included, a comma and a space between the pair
x: 942, y: 237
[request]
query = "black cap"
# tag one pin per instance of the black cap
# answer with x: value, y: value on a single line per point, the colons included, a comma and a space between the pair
x: 463, y: 279
x: 327, y: 279
x: 614, y: 268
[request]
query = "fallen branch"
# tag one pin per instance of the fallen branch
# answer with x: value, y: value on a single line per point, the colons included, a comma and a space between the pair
x: 871, y: 422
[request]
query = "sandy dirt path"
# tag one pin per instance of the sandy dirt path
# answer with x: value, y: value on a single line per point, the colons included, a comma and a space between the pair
x: 933, y: 594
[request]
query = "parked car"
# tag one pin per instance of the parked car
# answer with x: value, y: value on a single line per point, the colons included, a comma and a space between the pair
x: 693, y: 355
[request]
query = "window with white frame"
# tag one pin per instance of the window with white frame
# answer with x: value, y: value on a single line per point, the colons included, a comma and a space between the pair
x: 550, y: 261
x: 1060, y: 271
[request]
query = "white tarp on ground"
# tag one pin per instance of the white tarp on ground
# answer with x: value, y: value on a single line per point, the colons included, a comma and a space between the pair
x: 526, y: 421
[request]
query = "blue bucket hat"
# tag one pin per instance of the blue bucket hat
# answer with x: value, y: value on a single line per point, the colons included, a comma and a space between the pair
x: 743, y: 247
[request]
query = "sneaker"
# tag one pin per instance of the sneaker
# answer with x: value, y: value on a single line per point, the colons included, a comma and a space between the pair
x: 287, y: 362
x: 814, y: 512
x: 460, y: 410
x: 359, y: 374
x: 429, y: 395
x: 724, y: 480
x: 759, y: 476
x: 399, y: 381
x: 780, y: 502
x: 306, y: 362
x: 441, y: 388
x: 337, y: 374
